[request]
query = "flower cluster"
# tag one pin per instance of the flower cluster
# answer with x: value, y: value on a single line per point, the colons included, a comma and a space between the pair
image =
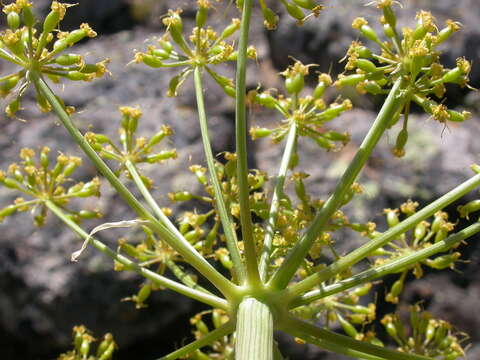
x: 345, y: 309
x: 133, y: 149
x: 423, y: 235
x: 82, y: 342
x: 42, y: 52
x: 204, y: 47
x: 415, y: 57
x: 41, y: 181
x: 424, y: 335
x: 308, y: 113
x: 223, y: 348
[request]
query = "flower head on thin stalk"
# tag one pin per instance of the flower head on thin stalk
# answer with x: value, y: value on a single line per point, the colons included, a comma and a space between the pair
x: 38, y: 179
x: 309, y: 113
x: 42, y: 51
x: 414, y: 55
x: 203, y: 48
x: 133, y: 148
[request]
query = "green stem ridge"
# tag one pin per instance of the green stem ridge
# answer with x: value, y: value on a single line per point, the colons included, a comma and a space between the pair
x: 288, y: 268
x: 343, y: 344
x: 227, y: 224
x: 278, y: 190
x: 209, y: 338
x: 254, y: 333
x: 363, y: 251
x: 397, y: 264
x: 181, y: 245
x: 241, y: 147
x: 201, y: 296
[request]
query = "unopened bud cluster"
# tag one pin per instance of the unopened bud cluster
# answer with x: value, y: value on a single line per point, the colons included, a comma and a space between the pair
x: 308, y: 113
x: 424, y: 335
x: 133, y: 148
x: 83, y: 349
x: 425, y: 234
x: 38, y: 179
x: 42, y: 51
x: 412, y: 55
x: 203, y: 48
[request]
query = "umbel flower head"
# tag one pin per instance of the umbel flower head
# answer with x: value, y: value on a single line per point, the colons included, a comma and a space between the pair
x: 42, y: 51
x: 41, y: 181
x: 204, y: 48
x: 413, y: 55
x: 309, y: 113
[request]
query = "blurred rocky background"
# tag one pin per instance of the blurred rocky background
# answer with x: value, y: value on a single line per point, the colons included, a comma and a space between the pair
x: 43, y: 294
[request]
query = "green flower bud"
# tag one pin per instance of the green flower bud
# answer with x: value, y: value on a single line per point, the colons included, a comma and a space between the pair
x: 28, y: 17
x: 420, y: 231
x: 350, y: 80
x: 443, y: 261
x: 13, y: 20
x: 180, y: 196
x: 270, y: 18
x: 294, y: 10
x: 468, y: 208
x: 294, y: 84
x: 7, y: 85
x: 258, y: 132
x: 366, y: 65
x: 163, y: 155
x: 202, y: 13
x: 347, y: 327
x: 392, y: 217
x: 265, y: 99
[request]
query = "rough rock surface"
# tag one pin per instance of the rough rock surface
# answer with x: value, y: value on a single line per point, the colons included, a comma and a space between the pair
x: 43, y: 294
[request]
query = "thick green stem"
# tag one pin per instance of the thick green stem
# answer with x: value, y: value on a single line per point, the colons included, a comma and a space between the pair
x: 254, y: 333
x: 395, y: 265
x: 227, y: 224
x: 181, y: 245
x: 343, y: 344
x: 241, y: 148
x: 277, y: 192
x: 347, y: 261
x: 209, y: 299
x: 286, y: 271
x: 207, y: 339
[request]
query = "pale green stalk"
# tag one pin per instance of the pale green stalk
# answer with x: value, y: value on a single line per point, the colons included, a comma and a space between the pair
x: 207, y: 339
x: 342, y: 344
x: 288, y: 268
x: 185, y: 278
x: 277, y: 192
x: 132, y: 170
x: 254, y: 332
x: 227, y: 224
x: 181, y: 245
x: 158, y: 279
x: 347, y: 261
x: 393, y: 266
x: 241, y: 148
